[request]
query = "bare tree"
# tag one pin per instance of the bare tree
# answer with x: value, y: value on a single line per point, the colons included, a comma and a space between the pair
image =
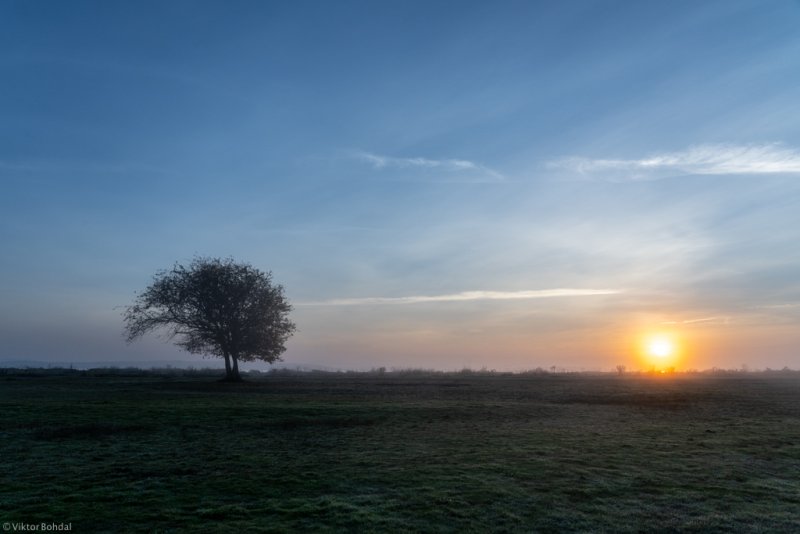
x: 620, y: 370
x: 217, y: 307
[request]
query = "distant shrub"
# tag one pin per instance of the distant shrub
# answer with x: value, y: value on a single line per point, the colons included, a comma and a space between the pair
x: 537, y: 372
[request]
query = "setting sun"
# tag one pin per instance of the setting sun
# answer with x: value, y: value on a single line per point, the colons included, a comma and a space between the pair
x: 660, y: 350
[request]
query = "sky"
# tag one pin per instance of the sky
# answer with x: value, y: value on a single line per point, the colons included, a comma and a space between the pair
x: 436, y: 184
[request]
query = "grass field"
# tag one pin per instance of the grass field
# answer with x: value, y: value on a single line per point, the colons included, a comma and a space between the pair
x: 402, y: 453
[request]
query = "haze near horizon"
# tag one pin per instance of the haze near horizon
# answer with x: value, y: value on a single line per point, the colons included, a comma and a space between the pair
x: 436, y: 184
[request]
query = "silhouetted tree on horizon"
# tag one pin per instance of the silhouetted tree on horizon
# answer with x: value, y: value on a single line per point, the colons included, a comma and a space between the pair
x: 217, y: 307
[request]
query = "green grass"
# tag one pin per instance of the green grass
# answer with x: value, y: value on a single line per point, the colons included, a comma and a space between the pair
x: 402, y: 453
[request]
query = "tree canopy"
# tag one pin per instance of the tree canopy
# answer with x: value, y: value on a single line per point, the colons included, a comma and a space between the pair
x: 216, y: 307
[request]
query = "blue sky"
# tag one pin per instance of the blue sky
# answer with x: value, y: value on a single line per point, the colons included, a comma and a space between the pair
x: 436, y: 184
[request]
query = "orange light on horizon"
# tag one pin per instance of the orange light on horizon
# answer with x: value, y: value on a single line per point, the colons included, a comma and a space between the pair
x: 660, y: 351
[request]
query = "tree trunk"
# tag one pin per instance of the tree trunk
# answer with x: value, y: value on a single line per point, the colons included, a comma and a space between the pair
x: 234, y: 375
x: 227, y: 365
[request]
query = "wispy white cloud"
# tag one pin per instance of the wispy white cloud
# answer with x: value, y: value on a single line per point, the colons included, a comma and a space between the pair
x: 711, y: 159
x: 466, y: 296
x: 721, y: 319
x: 447, y: 165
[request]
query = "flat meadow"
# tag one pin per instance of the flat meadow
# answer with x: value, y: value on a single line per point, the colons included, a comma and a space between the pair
x: 401, y: 452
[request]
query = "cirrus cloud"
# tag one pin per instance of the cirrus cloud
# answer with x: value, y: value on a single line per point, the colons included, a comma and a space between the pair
x: 448, y: 165
x: 708, y: 159
x: 466, y: 296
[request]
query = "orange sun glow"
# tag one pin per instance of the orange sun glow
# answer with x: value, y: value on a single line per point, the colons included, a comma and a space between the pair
x: 660, y: 351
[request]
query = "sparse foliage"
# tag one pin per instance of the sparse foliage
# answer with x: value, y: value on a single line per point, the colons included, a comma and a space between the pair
x: 216, y: 307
